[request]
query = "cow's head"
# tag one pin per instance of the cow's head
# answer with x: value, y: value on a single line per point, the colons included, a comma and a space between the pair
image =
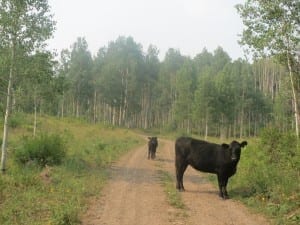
x: 235, y: 149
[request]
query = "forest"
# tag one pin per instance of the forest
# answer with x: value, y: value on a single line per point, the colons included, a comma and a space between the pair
x: 124, y: 86
x: 127, y: 86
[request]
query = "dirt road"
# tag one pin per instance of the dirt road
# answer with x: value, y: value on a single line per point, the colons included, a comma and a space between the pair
x: 135, y: 196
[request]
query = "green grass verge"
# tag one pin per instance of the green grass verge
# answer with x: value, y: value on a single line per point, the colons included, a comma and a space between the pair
x: 271, y: 188
x: 173, y: 195
x: 265, y: 186
x: 59, y: 194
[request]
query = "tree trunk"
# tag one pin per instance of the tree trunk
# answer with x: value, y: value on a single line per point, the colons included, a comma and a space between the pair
x: 95, y: 107
x: 125, y: 103
x: 77, y: 108
x: 62, y: 104
x: 206, y: 128
x: 113, y: 116
x: 35, y: 114
x: 296, y: 113
x: 7, y: 111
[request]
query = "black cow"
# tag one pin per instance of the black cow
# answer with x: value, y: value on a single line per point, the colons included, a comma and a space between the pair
x: 152, y: 145
x: 207, y: 157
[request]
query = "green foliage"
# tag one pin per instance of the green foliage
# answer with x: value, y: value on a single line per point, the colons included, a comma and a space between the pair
x: 57, y: 194
x: 123, y: 86
x: 26, y: 23
x: 45, y: 149
x: 16, y: 120
x: 66, y: 215
x: 272, y: 27
x: 268, y: 176
x: 280, y: 146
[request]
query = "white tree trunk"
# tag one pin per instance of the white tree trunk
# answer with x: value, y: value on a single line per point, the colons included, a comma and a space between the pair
x: 7, y: 112
x: 35, y: 113
x: 296, y: 113
x: 62, y: 105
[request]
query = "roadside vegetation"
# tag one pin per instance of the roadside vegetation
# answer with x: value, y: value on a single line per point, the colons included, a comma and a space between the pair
x: 173, y: 196
x: 268, y: 176
x: 50, y: 177
x: 43, y: 188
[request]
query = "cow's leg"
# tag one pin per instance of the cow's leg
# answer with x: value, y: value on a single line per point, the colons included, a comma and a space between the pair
x: 220, y: 186
x: 181, y: 180
x: 152, y: 154
x: 225, y: 194
x: 222, y: 181
x: 180, y: 169
x: 149, y: 152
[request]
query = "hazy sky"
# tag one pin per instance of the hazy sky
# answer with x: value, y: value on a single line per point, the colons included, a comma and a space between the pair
x: 186, y: 25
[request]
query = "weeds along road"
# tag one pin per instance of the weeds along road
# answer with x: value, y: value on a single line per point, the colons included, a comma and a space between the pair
x: 134, y: 195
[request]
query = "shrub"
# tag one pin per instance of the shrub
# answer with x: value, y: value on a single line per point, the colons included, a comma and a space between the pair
x: 16, y: 120
x: 280, y: 146
x: 268, y: 175
x: 43, y: 150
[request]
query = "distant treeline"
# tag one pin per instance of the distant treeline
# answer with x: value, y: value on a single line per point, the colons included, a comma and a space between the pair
x: 124, y: 86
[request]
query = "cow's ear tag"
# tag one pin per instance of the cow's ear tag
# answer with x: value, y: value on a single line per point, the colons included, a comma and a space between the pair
x: 225, y: 145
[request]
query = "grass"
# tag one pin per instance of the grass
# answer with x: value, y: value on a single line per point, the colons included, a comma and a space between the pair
x: 173, y: 195
x: 271, y: 188
x: 58, y: 195
x: 267, y: 180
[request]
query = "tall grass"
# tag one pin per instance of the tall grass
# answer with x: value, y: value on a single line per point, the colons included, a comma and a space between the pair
x: 268, y: 176
x: 58, y: 193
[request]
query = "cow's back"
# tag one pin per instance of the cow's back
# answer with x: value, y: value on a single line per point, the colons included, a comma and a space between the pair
x: 185, y: 146
x: 201, y: 155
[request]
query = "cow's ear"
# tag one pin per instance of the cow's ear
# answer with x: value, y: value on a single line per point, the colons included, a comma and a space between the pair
x: 243, y: 144
x: 225, y: 146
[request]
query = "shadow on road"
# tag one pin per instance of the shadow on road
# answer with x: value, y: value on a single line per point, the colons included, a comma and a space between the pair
x: 133, y: 175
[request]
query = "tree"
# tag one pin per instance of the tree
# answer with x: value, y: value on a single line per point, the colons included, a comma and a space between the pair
x: 61, y: 83
x: 37, y: 79
x: 205, y: 91
x: 273, y: 28
x: 166, y: 86
x: 121, y: 79
x: 204, y: 100
x: 185, y: 88
x: 150, y: 78
x: 80, y: 75
x: 24, y: 25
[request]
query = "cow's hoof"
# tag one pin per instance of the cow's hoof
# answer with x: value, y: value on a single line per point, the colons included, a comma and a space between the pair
x: 224, y: 197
